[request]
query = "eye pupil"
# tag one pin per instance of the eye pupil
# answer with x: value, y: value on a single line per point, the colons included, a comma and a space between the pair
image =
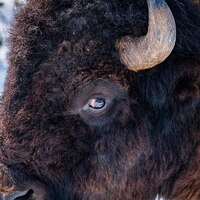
x: 97, y: 103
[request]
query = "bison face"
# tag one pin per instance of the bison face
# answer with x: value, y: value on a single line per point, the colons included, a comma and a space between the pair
x: 76, y: 124
x: 88, y: 132
x: 79, y: 128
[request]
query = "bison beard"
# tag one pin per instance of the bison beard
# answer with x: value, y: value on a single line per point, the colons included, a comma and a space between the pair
x: 76, y: 124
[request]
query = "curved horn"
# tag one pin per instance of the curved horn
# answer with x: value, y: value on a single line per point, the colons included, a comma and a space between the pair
x: 152, y: 49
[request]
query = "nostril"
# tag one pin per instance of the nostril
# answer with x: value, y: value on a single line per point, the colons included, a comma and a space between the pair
x: 19, y: 195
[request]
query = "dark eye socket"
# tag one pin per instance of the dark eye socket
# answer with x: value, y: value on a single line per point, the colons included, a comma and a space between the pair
x: 97, y: 103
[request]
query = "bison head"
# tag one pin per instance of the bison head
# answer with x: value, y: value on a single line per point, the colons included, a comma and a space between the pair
x: 77, y: 124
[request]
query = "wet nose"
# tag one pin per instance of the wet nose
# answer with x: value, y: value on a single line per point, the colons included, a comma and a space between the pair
x: 19, y: 195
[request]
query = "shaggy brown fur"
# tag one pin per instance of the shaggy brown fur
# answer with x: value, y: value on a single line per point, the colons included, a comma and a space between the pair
x: 146, y: 143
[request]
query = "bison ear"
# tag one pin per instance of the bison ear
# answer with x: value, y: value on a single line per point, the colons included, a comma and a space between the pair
x: 7, y: 184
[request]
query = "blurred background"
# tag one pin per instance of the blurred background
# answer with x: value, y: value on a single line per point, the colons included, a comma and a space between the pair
x: 7, y: 9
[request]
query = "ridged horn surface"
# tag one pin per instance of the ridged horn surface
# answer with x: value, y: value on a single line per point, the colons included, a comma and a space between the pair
x: 152, y: 49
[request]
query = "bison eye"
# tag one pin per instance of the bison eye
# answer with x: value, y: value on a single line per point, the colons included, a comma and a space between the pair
x: 96, y: 104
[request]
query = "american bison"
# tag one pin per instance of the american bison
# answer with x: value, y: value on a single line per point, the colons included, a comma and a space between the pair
x: 102, y: 101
